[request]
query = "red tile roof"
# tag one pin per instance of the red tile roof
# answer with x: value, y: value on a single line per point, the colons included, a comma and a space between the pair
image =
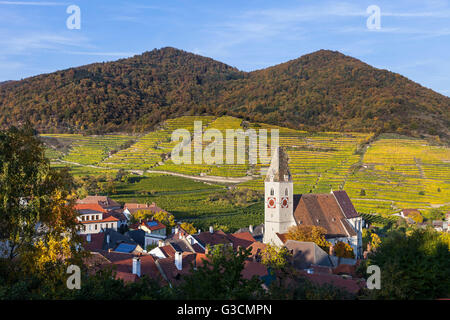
x: 90, y: 206
x: 323, y: 210
x: 104, y: 201
x: 242, y: 239
x: 200, y: 259
x: 345, y: 204
x: 218, y: 237
x: 114, y: 256
x: 168, y: 251
x: 349, y: 285
x: 282, y: 236
x: 407, y: 212
x: 253, y: 268
x: 134, y: 207
x: 96, y: 243
x: 118, y: 213
x: 126, y: 276
x: 197, y: 248
x: 148, y: 268
x: 170, y: 270
x: 257, y: 248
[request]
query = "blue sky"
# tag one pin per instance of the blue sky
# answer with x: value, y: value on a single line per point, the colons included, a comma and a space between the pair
x: 414, y: 39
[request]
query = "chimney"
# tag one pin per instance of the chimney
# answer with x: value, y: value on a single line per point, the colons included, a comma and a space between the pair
x: 179, y: 260
x: 176, y: 229
x: 207, y: 250
x: 137, y: 266
x: 88, y: 237
x: 250, y: 228
x: 199, y: 231
x: 331, y: 250
x: 160, y: 243
x: 211, y: 229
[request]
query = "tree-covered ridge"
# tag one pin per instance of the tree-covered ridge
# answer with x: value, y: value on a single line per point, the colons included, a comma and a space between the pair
x: 325, y: 90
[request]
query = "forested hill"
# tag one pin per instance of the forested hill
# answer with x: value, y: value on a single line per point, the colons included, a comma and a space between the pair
x: 324, y: 90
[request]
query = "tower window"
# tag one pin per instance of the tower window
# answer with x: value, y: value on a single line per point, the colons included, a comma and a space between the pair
x: 286, y: 193
x: 272, y: 192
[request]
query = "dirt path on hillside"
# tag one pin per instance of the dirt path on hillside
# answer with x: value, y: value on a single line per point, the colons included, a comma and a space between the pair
x: 211, y: 179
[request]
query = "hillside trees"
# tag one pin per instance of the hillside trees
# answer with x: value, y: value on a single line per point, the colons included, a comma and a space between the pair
x: 324, y: 90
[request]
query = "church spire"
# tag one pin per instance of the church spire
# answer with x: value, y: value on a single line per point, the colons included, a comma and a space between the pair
x: 279, y: 167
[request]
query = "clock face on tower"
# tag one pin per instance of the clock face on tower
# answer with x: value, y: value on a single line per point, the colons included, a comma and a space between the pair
x: 284, y: 202
x: 271, y: 202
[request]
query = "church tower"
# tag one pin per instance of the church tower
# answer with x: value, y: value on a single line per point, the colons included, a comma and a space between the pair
x: 278, y: 197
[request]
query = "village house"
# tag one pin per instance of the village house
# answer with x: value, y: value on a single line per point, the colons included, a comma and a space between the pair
x: 154, y: 231
x: 130, y: 208
x: 127, y: 267
x: 284, y: 209
x: 107, y: 205
x: 93, y: 219
x: 110, y: 241
x: 103, y: 201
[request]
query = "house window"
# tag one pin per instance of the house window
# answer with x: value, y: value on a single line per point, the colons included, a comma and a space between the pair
x: 272, y: 192
x: 95, y: 226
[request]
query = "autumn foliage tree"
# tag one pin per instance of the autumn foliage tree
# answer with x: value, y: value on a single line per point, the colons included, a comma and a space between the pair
x: 37, y: 220
x: 343, y: 250
x: 309, y: 233
x: 35, y: 200
x: 275, y: 258
x: 188, y: 227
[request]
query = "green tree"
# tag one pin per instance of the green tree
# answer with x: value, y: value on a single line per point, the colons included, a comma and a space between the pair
x: 414, y: 265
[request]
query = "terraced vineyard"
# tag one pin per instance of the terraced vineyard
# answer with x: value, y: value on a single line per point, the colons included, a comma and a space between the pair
x: 146, y: 152
x: 401, y: 173
x: 86, y: 150
x: 392, y: 173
